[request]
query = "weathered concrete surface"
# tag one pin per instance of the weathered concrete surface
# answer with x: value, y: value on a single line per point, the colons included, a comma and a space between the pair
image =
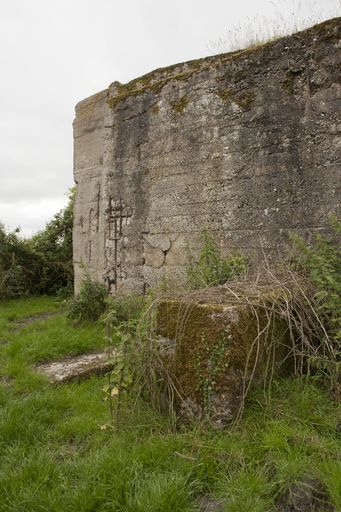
x: 79, y: 367
x: 245, y: 144
x: 221, y: 348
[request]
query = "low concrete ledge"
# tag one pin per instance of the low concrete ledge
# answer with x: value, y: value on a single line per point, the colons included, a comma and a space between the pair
x: 75, y: 368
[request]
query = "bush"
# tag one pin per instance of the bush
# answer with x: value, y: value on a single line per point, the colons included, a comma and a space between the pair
x: 321, y: 260
x: 39, y: 265
x: 52, y: 246
x: 89, y: 304
x: 14, y: 282
x: 212, y: 268
x: 125, y: 310
x: 19, y: 266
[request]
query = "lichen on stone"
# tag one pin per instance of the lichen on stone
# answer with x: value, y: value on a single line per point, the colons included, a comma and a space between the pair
x: 180, y: 106
x: 226, y: 94
x: 243, y: 99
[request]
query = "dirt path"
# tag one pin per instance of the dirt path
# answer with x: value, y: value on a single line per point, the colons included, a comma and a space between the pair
x: 70, y: 368
x: 20, y: 324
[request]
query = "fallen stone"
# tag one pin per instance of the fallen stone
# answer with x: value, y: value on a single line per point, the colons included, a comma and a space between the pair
x: 208, y: 504
x: 80, y: 367
x: 306, y: 496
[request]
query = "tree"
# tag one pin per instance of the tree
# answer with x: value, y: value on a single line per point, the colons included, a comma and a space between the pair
x: 41, y: 264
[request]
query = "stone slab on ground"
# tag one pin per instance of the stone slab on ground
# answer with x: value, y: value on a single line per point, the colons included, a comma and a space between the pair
x: 79, y: 367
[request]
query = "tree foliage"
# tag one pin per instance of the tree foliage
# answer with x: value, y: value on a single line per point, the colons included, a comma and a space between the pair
x: 40, y: 264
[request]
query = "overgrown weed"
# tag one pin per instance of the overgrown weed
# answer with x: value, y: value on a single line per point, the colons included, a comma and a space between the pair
x: 89, y: 304
x: 211, y: 268
x: 64, y: 461
x: 285, y: 19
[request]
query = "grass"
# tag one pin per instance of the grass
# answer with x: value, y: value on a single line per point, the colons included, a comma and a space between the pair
x: 282, y: 19
x: 55, y: 457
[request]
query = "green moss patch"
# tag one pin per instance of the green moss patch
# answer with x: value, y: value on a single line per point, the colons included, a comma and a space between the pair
x: 180, y: 106
x: 243, y: 99
x: 221, y: 349
x: 154, y: 81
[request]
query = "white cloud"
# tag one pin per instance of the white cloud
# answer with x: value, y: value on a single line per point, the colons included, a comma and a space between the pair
x: 30, y: 216
x: 53, y: 54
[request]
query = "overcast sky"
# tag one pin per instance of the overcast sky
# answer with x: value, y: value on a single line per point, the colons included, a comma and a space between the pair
x: 54, y: 53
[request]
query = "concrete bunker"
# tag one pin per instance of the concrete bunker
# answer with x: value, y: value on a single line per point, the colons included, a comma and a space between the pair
x: 245, y: 144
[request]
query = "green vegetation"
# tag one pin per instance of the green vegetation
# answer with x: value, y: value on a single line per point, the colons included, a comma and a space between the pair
x: 41, y: 264
x: 180, y: 106
x: 239, y: 41
x: 89, y: 304
x: 126, y: 308
x: 243, y: 99
x: 212, y: 268
x: 154, y: 81
x: 321, y: 262
x: 55, y: 454
x: 210, y: 366
x: 98, y: 445
x: 226, y: 94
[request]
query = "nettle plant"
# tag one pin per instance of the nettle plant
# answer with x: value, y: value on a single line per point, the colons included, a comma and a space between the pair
x: 321, y: 261
x: 212, y: 269
x: 120, y: 378
x: 121, y: 319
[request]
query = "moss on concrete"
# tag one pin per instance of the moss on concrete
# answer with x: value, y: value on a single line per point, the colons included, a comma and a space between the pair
x: 180, y: 106
x: 226, y: 94
x: 154, y: 81
x: 155, y: 109
x: 215, y: 348
x: 243, y: 99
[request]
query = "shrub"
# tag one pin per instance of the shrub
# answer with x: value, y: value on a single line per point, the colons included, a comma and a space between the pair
x: 89, y: 304
x: 125, y: 310
x: 212, y: 268
x: 14, y: 282
x: 321, y: 260
x: 41, y: 264
x: 18, y: 265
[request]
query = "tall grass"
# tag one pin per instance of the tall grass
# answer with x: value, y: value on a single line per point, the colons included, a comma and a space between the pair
x: 283, y: 18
